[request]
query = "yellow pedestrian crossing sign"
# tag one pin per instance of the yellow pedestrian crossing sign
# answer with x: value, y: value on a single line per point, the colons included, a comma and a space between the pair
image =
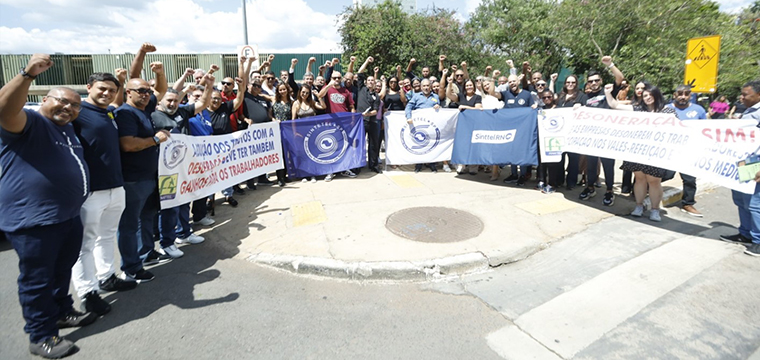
x: 702, y: 56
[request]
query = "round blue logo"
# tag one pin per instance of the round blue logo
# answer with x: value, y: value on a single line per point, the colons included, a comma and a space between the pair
x: 421, y: 137
x: 553, y: 123
x: 325, y: 143
x: 174, y: 154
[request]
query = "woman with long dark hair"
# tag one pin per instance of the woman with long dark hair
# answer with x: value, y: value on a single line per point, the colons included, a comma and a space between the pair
x: 569, y: 97
x: 646, y: 176
x: 304, y: 107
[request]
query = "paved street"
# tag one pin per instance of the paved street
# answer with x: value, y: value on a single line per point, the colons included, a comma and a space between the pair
x: 622, y: 288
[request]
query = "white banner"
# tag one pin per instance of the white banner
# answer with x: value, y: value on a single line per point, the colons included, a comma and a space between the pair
x: 707, y: 149
x: 191, y: 167
x: 429, y: 139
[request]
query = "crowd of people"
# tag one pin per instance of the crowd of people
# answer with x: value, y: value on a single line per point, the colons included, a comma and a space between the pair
x: 79, y: 176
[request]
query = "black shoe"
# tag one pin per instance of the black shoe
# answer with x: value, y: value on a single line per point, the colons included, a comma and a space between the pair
x: 251, y: 184
x: 753, y: 250
x: 76, y: 319
x: 521, y: 181
x: 609, y: 199
x: 154, y: 257
x: 231, y: 200
x: 375, y: 170
x: 141, y: 275
x: 238, y: 190
x: 433, y: 168
x: 266, y: 181
x: 511, y: 179
x: 736, y: 238
x: 625, y: 190
x: 281, y: 183
x: 113, y: 283
x: 94, y: 304
x: 52, y: 348
x: 587, y: 193
x: 417, y: 168
x: 210, y: 206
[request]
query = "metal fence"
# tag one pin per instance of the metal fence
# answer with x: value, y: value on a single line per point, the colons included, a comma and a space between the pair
x: 73, y: 70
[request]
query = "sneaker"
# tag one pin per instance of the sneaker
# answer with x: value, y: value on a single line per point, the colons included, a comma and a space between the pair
x: 460, y: 169
x: 206, y: 221
x: 154, y: 257
x: 548, y: 189
x: 172, y: 251
x: 238, y: 190
x: 231, y: 200
x: 521, y: 181
x: 113, y: 283
x: 140, y: 276
x: 433, y: 168
x: 654, y: 215
x: 609, y: 199
x: 539, y: 186
x: 473, y: 170
x: 281, y: 183
x: 511, y: 179
x: 348, y: 173
x: 587, y: 193
x: 92, y: 302
x: 304, y: 180
x: 192, y: 239
x: 53, y: 347
x: 753, y: 250
x: 736, y: 238
x: 446, y: 168
x: 598, y: 184
x: 329, y: 177
x: 638, y: 211
x: 625, y: 190
x: 313, y: 180
x: 76, y: 319
x: 689, y: 209
x: 266, y: 181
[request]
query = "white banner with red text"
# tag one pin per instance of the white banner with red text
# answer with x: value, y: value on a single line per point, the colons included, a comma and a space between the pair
x: 707, y: 149
x: 191, y: 167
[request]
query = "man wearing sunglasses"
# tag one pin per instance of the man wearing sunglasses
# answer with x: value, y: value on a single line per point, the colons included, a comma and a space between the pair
x: 139, y: 142
x: 45, y: 180
x: 597, y: 99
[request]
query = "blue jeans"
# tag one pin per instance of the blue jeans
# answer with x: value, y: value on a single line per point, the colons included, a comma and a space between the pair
x: 227, y: 192
x: 749, y: 213
x: 177, y: 217
x: 136, y: 225
x: 46, y: 255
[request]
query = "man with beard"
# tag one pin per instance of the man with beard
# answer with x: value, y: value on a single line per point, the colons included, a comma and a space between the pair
x: 686, y: 110
x: 44, y: 183
x: 172, y: 117
x: 339, y: 99
x: 94, y: 270
x: 423, y: 100
x: 515, y: 97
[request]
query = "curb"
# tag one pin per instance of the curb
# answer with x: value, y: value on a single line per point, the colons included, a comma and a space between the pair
x: 672, y: 195
x: 422, y: 270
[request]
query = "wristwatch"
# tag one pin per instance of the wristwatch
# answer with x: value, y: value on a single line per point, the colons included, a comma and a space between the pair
x: 25, y: 74
x: 157, y: 140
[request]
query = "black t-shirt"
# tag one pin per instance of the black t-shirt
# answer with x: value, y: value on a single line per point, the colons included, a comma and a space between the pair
x: 256, y: 108
x: 143, y: 164
x: 580, y: 98
x: 597, y: 99
x: 740, y: 107
x: 99, y: 135
x: 475, y: 99
x: 164, y: 121
x: 393, y: 102
x: 220, y: 119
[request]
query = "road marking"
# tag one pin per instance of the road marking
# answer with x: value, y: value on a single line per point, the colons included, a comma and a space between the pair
x: 574, y: 320
x: 549, y: 205
x: 405, y: 181
x: 512, y: 344
x: 309, y: 213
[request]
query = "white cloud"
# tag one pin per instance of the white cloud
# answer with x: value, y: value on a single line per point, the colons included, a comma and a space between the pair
x: 174, y: 26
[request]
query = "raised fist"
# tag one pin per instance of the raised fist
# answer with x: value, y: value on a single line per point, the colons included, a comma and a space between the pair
x: 464, y: 64
x: 189, y: 88
x: 376, y: 69
x: 454, y: 67
x: 271, y: 58
x: 214, y: 68
x: 38, y: 63
x: 188, y: 72
x: 510, y: 63
x: 412, y: 61
x: 293, y: 62
x: 312, y: 59
x: 496, y: 73
x: 157, y: 67
x: 121, y: 75
x: 608, y: 88
x: 444, y: 72
x: 489, y: 68
x: 607, y: 60
x: 398, y: 67
x: 370, y: 59
x: 335, y: 61
x: 147, y: 48
x: 209, y: 79
x: 441, y: 58
x: 321, y: 68
x: 353, y: 58
x: 382, y: 78
x: 554, y: 76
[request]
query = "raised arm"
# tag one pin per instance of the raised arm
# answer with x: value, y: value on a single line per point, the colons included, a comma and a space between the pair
x: 13, y: 94
x: 244, y: 68
x: 398, y: 73
x: 619, y: 77
x: 351, y: 64
x: 487, y: 73
x: 137, y: 63
x: 121, y: 75
x: 450, y: 93
x: 409, y: 68
x: 383, y: 87
x: 179, y: 85
x: 291, y: 72
x: 493, y: 92
x: 310, y: 65
x: 208, y: 88
x: 525, y: 80
x: 464, y: 68
x: 160, y: 89
x: 441, y: 66
x: 612, y: 102
x: 512, y: 69
x: 363, y: 68
x: 552, y: 81
x: 443, y: 88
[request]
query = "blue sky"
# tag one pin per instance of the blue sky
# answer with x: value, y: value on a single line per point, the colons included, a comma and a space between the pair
x: 182, y: 26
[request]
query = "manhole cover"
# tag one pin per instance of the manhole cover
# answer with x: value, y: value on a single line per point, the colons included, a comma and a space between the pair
x: 434, y: 224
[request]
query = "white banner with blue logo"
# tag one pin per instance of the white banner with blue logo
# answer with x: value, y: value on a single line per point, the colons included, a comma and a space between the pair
x: 707, y: 149
x: 324, y: 144
x: 496, y: 137
x: 191, y: 167
x: 430, y: 137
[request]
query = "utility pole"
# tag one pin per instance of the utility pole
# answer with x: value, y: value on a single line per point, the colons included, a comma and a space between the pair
x: 245, y: 25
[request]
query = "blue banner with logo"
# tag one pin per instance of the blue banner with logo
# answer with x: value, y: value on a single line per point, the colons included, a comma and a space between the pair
x: 323, y: 144
x: 496, y: 137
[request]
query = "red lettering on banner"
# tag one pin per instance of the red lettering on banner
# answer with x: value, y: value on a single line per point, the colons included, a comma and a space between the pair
x: 729, y: 135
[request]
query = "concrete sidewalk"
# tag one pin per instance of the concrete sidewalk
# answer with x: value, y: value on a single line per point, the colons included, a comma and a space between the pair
x: 340, y: 228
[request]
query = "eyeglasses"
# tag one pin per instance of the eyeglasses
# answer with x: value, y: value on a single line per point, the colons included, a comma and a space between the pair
x: 66, y: 102
x: 685, y: 93
x: 541, y: 84
x: 141, y: 91
x: 569, y: 82
x: 335, y: 78
x: 227, y: 83
x: 595, y: 80
x: 547, y: 97
x: 459, y: 75
x: 270, y: 78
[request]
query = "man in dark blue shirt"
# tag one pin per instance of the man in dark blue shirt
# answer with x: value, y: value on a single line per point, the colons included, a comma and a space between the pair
x: 96, y: 129
x: 44, y: 183
x: 139, y: 143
